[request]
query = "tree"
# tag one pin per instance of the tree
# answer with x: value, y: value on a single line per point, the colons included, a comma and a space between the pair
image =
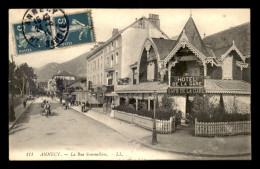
x: 11, y: 90
x: 221, y: 104
x: 24, y: 74
x: 60, y: 85
x: 166, y: 104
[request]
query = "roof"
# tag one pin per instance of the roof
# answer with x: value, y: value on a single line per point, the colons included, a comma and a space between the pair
x: 212, y: 86
x: 119, y: 33
x: 218, y: 52
x: 75, y: 81
x: 63, y: 73
x: 133, y: 65
x: 164, y: 46
x: 147, y: 87
x: 240, y: 34
x: 227, y: 86
x: 193, y: 36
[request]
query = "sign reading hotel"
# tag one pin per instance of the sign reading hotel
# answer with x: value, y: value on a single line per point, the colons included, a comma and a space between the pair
x: 186, y: 84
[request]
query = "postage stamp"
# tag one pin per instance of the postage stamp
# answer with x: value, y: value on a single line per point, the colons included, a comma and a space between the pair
x: 46, y: 29
x: 80, y: 28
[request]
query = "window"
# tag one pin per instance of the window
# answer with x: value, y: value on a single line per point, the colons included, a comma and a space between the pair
x: 227, y: 68
x: 112, y: 60
x: 112, y: 45
x: 101, y: 78
x: 117, y: 42
x: 98, y: 79
x: 116, y: 57
x: 150, y: 71
x: 116, y: 76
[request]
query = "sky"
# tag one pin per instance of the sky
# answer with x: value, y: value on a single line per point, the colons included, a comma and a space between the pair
x: 172, y: 21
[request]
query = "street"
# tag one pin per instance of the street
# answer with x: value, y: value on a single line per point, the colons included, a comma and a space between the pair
x: 68, y: 134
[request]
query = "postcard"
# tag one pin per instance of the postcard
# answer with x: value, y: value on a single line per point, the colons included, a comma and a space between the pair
x: 129, y: 84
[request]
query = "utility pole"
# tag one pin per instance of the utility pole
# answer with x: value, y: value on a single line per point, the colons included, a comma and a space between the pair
x: 154, y: 134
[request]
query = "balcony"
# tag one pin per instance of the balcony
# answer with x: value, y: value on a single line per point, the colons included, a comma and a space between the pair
x: 109, y: 67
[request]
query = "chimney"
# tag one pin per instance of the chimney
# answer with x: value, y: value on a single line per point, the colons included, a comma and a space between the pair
x: 154, y: 18
x: 115, y: 31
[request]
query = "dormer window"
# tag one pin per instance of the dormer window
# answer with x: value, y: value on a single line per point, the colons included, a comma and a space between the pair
x: 228, y: 68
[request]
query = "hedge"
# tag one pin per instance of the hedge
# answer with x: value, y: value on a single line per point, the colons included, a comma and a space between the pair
x: 160, y: 114
x: 223, y: 117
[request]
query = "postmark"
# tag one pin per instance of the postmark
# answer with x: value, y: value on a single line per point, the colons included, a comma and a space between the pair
x: 50, y: 29
x: 41, y: 23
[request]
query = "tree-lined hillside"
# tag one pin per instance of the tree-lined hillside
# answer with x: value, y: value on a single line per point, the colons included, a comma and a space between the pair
x: 76, y: 66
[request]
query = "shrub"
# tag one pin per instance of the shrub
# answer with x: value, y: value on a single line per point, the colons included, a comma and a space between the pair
x: 160, y: 114
x: 224, y: 117
x: 125, y: 108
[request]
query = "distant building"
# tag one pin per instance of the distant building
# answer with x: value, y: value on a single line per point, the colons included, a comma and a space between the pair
x: 64, y: 75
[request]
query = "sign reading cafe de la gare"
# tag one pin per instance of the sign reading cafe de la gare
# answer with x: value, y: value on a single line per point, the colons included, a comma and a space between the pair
x: 186, y: 84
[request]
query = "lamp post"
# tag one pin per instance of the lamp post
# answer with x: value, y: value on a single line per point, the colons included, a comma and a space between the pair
x: 154, y: 137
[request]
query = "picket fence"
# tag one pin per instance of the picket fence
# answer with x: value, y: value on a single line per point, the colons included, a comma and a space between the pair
x: 222, y: 128
x: 162, y: 126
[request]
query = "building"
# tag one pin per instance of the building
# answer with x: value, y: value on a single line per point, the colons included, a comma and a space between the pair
x: 64, y: 75
x: 66, y: 78
x: 108, y: 62
x: 217, y: 65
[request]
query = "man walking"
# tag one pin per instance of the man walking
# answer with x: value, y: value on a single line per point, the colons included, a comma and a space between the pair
x: 47, y: 108
x: 24, y: 103
x: 83, y: 107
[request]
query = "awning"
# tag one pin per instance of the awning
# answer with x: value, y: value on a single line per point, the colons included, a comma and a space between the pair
x: 211, y: 86
x: 111, y: 94
x: 227, y: 86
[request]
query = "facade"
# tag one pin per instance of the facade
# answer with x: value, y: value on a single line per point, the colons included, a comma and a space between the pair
x: 217, y: 65
x: 108, y: 62
x: 64, y: 75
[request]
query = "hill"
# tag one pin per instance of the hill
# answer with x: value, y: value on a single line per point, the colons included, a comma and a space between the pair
x: 76, y: 66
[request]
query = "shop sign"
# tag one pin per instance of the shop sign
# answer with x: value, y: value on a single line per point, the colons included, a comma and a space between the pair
x: 187, y: 81
x: 185, y: 90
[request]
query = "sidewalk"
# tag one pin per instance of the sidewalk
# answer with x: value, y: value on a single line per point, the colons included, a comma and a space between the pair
x: 181, y: 141
x: 19, y: 112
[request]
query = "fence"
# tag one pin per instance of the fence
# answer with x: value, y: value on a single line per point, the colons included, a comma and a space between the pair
x: 162, y: 126
x: 222, y: 128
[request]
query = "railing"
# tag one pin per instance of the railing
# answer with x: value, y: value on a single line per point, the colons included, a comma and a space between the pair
x: 222, y: 128
x: 162, y: 126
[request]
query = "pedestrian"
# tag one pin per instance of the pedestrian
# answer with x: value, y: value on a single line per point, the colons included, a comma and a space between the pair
x: 51, y: 97
x: 61, y: 100
x: 83, y: 107
x: 112, y: 104
x: 69, y: 104
x: 47, y: 109
x: 87, y: 105
x: 24, y: 103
